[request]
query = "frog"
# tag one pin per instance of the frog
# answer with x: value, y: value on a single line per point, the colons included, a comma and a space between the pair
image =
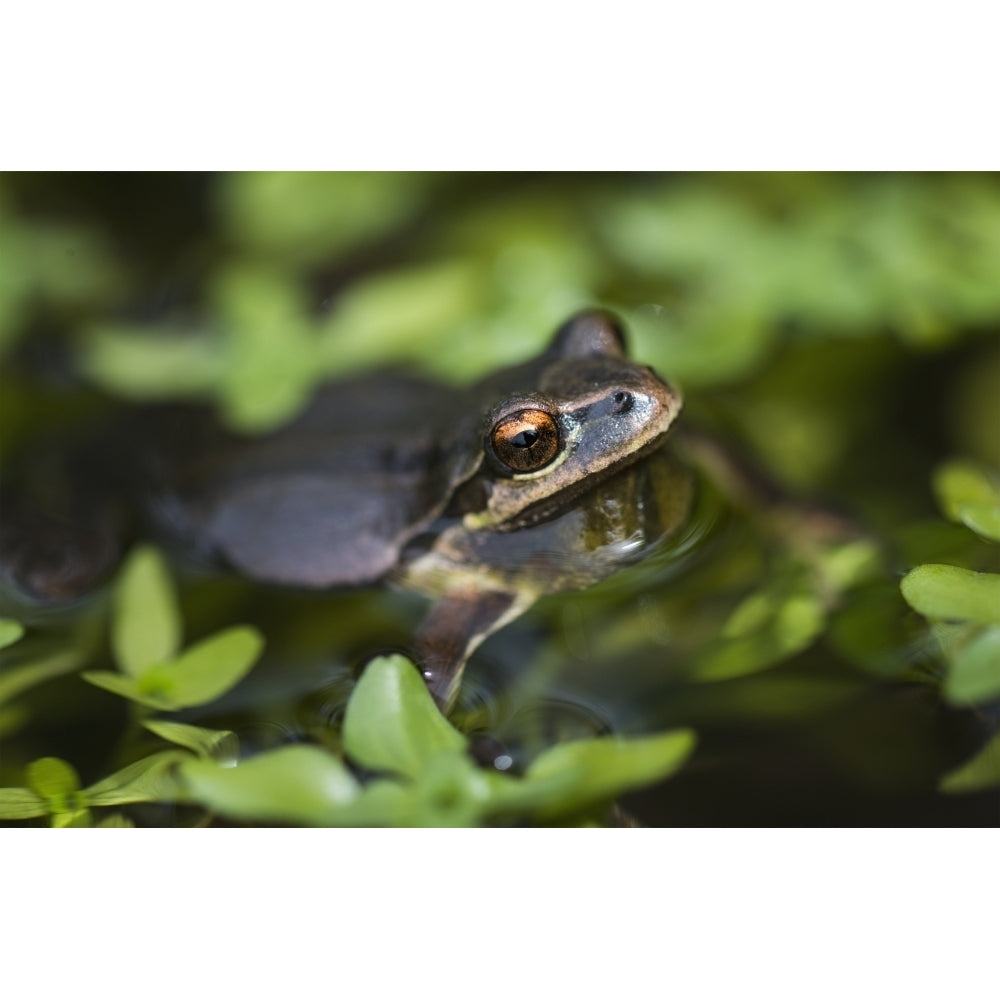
x: 542, y: 477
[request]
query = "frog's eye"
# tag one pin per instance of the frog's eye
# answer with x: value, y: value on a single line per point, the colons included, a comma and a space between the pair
x: 526, y: 441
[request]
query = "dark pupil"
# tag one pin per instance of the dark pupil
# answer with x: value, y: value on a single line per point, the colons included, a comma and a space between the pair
x: 525, y: 439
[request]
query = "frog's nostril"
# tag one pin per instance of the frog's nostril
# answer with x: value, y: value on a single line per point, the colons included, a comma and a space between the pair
x: 621, y: 401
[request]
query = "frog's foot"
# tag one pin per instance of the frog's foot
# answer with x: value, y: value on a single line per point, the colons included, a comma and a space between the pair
x: 454, y: 627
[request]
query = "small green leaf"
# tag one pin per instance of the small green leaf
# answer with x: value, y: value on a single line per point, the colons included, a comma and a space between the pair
x: 979, y: 772
x: 750, y: 615
x: 451, y: 792
x: 267, y: 378
x: 145, y: 624
x: 938, y: 591
x: 518, y: 797
x: 26, y: 675
x: 10, y: 631
x: 798, y: 621
x: 152, y: 362
x: 21, y: 803
x: 199, y: 675
x: 975, y: 671
x: 78, y: 818
x: 204, y: 742
x: 148, y: 780
x: 127, y: 687
x: 316, y: 217
x: 381, y: 803
x: 208, y: 669
x: 848, y: 565
x: 763, y: 631
x: 604, y: 767
x: 51, y: 777
x: 392, y: 723
x: 116, y: 821
x: 962, y: 483
x: 983, y: 520
x: 294, y: 784
x: 951, y: 637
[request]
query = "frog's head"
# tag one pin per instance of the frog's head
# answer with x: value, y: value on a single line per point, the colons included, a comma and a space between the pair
x: 590, y: 413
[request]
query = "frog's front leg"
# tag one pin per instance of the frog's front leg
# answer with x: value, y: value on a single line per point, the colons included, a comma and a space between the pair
x: 457, y: 623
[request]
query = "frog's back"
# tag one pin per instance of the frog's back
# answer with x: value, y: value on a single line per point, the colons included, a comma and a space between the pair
x: 328, y: 500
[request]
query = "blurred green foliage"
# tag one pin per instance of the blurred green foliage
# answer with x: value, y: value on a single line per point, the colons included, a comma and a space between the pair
x: 731, y: 267
x: 843, y: 329
x: 964, y: 609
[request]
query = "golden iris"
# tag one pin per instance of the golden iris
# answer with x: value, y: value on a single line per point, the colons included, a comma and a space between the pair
x: 526, y: 441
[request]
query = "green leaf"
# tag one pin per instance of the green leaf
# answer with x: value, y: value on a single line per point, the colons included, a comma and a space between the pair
x: 51, y: 777
x: 26, y: 675
x: 116, y: 821
x: 381, y: 803
x: 982, y: 519
x: 315, y: 216
x: 148, y: 780
x: 294, y: 784
x: 127, y: 687
x: 975, y: 670
x: 979, y: 772
x: 146, y: 624
x: 204, y: 742
x: 396, y: 313
x: 392, y: 723
x: 963, y: 484
x: 206, y: 670
x: 10, y: 631
x: 21, y: 803
x: 519, y: 797
x: 950, y: 592
x: 77, y: 818
x: 199, y: 675
x: 751, y: 615
x: 451, y: 792
x: 764, y: 629
x: 150, y: 362
x: 603, y: 768
x: 951, y: 637
x: 271, y: 347
x: 848, y: 565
